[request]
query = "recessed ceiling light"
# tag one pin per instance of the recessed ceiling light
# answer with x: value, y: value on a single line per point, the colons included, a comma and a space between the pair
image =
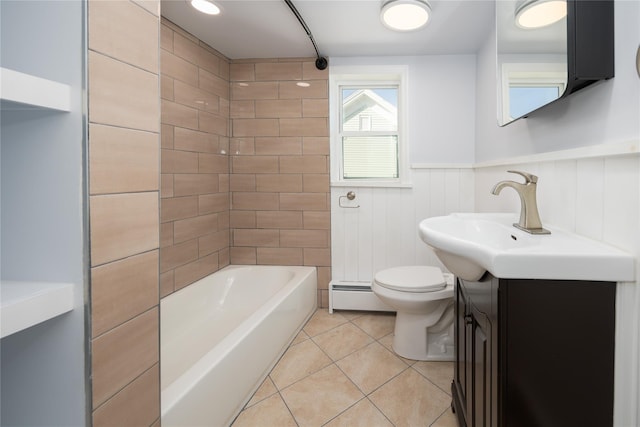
x: 303, y: 84
x: 205, y: 6
x: 405, y: 15
x: 539, y: 13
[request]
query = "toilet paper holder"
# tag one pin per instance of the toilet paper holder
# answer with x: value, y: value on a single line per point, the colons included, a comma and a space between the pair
x: 351, y: 195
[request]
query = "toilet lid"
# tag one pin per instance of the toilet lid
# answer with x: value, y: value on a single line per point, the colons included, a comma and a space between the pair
x: 411, y: 279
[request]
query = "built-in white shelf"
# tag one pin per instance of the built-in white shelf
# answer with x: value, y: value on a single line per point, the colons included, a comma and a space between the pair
x: 25, y: 304
x: 19, y: 91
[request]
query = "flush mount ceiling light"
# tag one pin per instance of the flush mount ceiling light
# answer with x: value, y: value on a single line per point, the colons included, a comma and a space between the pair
x: 205, y: 6
x: 539, y: 13
x: 405, y: 15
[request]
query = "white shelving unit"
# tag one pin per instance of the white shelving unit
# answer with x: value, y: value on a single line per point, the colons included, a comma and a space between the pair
x: 32, y: 92
x: 25, y: 304
x: 44, y: 242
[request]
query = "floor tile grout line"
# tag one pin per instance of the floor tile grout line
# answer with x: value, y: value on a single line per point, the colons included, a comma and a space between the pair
x: 303, y: 378
x: 402, y: 359
x: 388, y: 381
x: 346, y: 355
x: 381, y: 411
x: 439, y: 416
x: 330, y: 329
x: 364, y: 397
x: 352, y: 382
x: 276, y: 364
x: 448, y: 393
x: 295, y: 420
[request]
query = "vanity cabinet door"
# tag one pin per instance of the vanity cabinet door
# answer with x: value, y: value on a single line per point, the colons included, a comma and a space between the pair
x: 473, y: 381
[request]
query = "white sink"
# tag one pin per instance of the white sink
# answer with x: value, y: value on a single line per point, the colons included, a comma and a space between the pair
x: 471, y: 244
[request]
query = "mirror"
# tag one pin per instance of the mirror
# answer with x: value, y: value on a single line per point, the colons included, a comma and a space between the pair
x: 532, y: 63
x: 537, y: 65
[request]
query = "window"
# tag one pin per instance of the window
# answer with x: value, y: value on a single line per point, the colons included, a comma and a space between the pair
x: 369, y: 132
x: 524, y: 98
x: 526, y: 87
x: 367, y: 129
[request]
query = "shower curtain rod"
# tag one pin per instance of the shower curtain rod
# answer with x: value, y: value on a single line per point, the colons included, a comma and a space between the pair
x: 321, y: 62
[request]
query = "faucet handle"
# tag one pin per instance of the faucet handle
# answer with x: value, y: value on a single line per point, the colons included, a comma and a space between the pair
x: 528, y: 177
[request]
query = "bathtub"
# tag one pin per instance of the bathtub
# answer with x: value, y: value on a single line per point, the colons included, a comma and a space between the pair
x: 221, y: 336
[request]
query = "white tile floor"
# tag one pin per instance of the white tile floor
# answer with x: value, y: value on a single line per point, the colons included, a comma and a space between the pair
x: 340, y: 371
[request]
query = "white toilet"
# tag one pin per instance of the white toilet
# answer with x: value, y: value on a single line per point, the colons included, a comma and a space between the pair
x: 423, y: 299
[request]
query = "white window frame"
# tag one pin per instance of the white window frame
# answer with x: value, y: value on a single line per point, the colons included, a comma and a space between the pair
x: 369, y: 75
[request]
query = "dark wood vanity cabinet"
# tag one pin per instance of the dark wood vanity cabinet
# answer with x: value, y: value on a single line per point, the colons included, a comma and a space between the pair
x: 534, y: 353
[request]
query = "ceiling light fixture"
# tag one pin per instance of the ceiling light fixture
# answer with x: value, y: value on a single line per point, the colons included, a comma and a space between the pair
x: 405, y: 15
x: 205, y: 6
x: 539, y: 13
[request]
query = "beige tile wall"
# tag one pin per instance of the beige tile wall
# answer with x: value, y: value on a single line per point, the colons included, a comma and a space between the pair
x: 279, y: 178
x: 194, y: 209
x: 124, y: 158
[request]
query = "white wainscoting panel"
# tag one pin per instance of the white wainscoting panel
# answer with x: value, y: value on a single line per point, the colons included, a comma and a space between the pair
x: 383, y: 231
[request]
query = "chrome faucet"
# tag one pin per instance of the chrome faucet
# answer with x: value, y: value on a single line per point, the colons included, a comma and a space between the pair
x: 529, y: 217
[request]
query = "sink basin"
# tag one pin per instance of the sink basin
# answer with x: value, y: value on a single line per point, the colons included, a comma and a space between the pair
x: 469, y: 244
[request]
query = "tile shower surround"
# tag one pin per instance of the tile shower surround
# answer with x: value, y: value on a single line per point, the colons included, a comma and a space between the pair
x: 279, y: 157
x: 289, y: 174
x: 124, y: 149
x: 194, y: 189
x: 245, y: 176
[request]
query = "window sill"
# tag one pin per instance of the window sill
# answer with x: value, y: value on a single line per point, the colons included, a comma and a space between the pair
x: 383, y: 184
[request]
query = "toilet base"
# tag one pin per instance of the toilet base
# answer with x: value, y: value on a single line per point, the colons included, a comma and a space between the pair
x: 411, y: 340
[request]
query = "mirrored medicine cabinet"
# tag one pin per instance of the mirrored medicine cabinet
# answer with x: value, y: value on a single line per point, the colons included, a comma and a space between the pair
x: 537, y: 65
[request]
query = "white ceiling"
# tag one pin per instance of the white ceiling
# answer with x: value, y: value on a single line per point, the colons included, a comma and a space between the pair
x: 268, y: 28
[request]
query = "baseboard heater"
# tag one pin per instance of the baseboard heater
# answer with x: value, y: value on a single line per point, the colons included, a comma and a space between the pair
x: 354, y: 295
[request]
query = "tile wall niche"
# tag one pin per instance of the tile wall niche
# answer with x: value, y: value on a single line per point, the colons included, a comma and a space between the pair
x: 124, y: 149
x: 279, y: 152
x: 194, y: 212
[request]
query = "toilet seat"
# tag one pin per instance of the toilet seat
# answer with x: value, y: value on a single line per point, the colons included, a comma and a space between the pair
x: 411, y: 279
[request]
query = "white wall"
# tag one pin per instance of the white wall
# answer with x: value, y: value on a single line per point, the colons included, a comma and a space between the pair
x: 441, y: 105
x: 607, y: 112
x: 383, y: 231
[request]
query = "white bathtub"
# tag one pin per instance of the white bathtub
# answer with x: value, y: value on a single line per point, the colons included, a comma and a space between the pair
x: 222, y: 335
